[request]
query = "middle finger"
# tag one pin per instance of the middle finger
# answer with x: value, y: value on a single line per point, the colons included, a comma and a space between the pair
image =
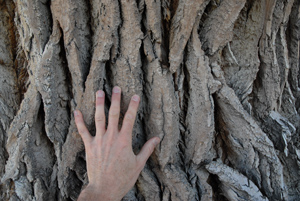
x: 114, y: 110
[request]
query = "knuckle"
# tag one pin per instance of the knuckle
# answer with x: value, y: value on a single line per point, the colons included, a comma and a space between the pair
x: 98, y: 141
x: 123, y: 144
x: 81, y: 130
x: 100, y: 118
x: 80, y: 124
x: 142, y: 163
x: 129, y: 117
x: 133, y: 108
x: 114, y: 113
x: 150, y: 150
x: 77, y: 121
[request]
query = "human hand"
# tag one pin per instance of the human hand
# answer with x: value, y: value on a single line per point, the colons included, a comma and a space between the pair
x: 112, y: 166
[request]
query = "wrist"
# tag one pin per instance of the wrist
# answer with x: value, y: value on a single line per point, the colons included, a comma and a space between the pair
x: 90, y: 192
x: 95, y: 193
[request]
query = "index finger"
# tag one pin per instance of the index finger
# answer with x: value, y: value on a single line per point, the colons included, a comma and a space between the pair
x: 82, y: 130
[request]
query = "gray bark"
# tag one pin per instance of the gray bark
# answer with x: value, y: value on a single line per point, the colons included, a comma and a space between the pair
x: 218, y: 81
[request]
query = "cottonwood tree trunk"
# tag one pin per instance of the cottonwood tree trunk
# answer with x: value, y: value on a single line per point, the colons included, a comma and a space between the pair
x: 218, y: 80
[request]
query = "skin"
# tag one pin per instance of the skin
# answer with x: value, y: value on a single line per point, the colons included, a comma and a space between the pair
x: 112, y: 166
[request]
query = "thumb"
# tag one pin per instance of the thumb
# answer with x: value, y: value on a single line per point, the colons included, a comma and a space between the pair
x: 147, y: 150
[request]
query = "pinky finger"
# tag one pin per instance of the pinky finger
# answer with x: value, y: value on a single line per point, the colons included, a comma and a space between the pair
x: 83, y: 131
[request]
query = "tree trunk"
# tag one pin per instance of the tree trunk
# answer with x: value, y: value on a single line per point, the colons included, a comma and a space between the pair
x: 218, y: 81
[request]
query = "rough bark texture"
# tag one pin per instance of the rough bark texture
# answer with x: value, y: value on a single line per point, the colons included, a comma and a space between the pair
x: 218, y: 80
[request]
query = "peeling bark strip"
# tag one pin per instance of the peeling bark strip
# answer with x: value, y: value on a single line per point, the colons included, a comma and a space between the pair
x: 241, y: 59
x: 235, y: 185
x: 249, y: 149
x: 218, y: 81
x: 217, y: 28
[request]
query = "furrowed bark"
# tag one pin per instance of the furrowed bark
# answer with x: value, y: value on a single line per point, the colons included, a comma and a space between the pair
x: 163, y: 122
x: 73, y: 19
x: 249, y: 148
x: 241, y: 60
x: 218, y: 81
x: 73, y: 161
x: 293, y: 35
x: 200, y: 128
x: 235, y: 185
x: 27, y: 142
x: 269, y: 86
x: 127, y: 69
x: 9, y: 92
x: 217, y: 28
x: 181, y: 28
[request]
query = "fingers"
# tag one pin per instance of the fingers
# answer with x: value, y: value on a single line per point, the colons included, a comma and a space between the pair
x: 114, y: 110
x: 100, y: 113
x: 147, y: 150
x: 130, y: 115
x: 83, y: 131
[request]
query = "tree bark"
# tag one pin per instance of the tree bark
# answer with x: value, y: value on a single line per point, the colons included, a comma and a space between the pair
x: 218, y: 81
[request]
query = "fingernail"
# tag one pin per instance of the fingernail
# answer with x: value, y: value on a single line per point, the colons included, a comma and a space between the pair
x: 135, y: 98
x: 100, y: 93
x: 117, y: 90
x: 75, y: 113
